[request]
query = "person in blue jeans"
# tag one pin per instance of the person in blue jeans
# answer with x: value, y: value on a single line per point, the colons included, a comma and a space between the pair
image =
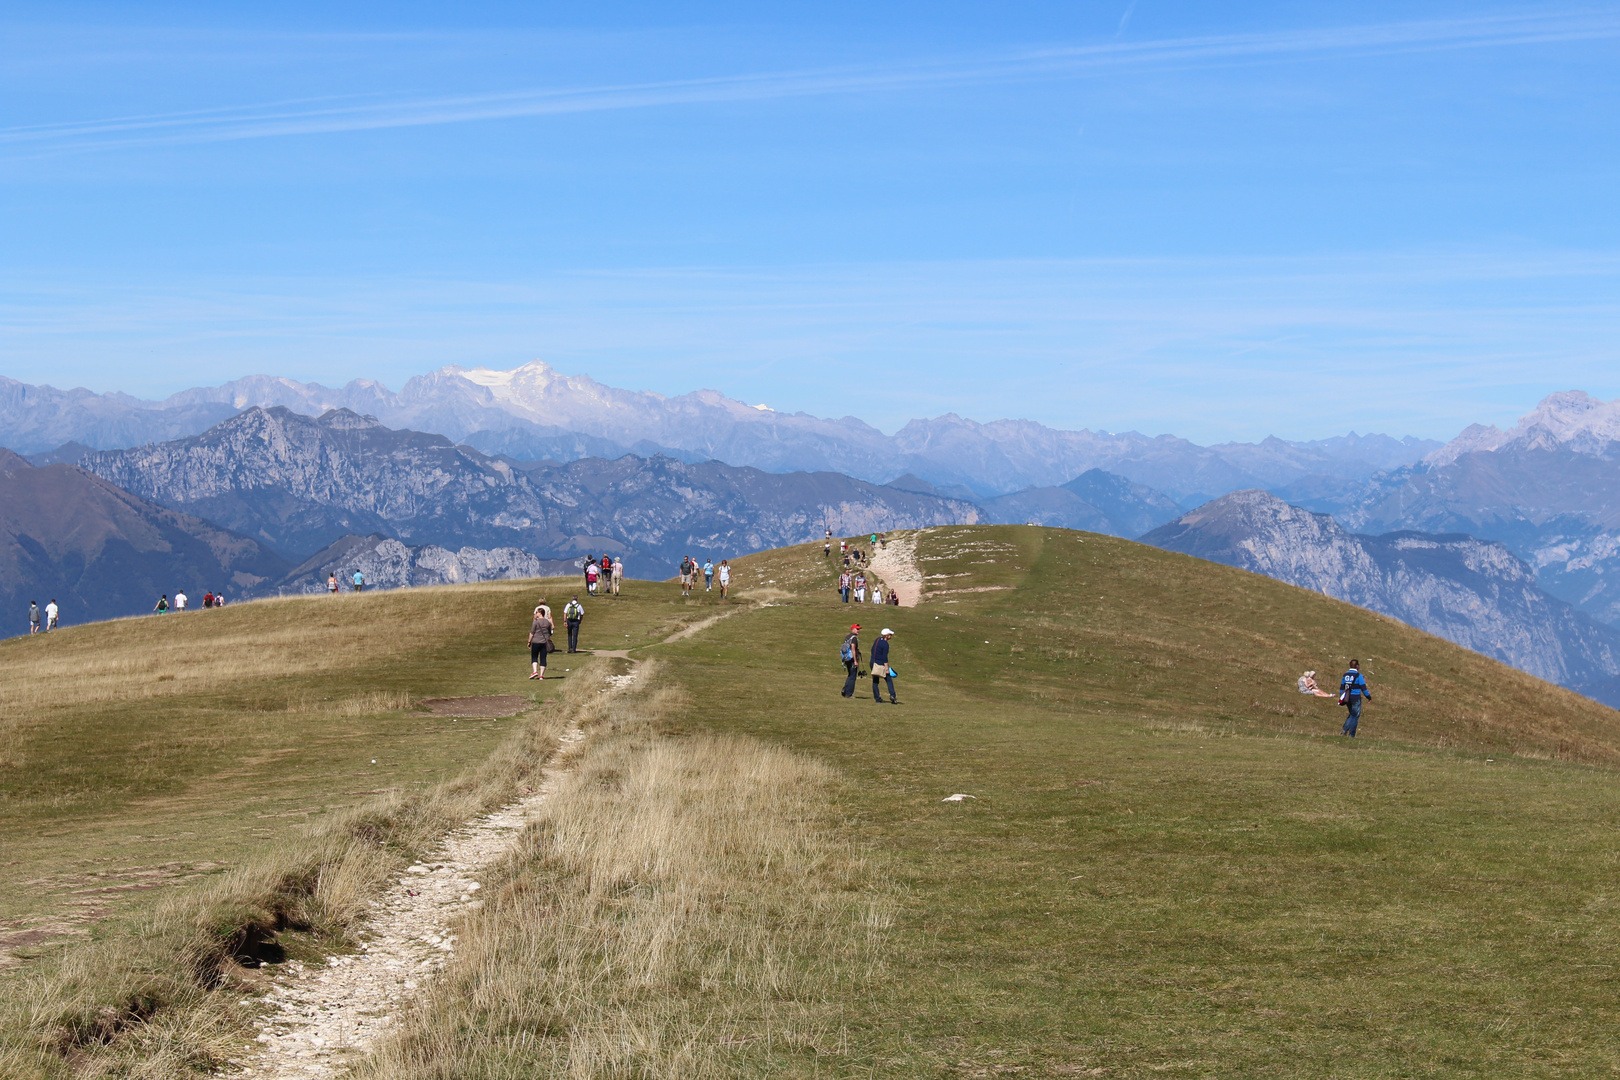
x: 1352, y: 692
x: 880, y: 666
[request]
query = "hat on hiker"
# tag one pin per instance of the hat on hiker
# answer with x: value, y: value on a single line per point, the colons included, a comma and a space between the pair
x: 854, y: 626
x: 887, y: 632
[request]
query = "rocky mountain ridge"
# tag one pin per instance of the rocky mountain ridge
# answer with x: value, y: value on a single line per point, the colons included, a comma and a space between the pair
x: 299, y: 483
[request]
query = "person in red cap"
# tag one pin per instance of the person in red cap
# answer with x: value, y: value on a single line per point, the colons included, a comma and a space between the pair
x: 850, y: 653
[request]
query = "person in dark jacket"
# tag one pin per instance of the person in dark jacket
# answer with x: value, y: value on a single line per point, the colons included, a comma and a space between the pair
x: 880, y: 666
x: 850, y: 653
x: 1352, y: 691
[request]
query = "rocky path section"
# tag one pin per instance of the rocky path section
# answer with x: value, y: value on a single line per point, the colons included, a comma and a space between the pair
x: 324, y: 1016
x: 896, y: 564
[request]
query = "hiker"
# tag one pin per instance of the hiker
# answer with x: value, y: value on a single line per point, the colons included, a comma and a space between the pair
x: 1307, y: 685
x: 725, y: 579
x: 880, y: 666
x: 850, y: 653
x: 180, y: 600
x: 826, y: 550
x: 618, y: 574
x: 359, y: 581
x: 208, y: 599
x: 874, y: 539
x: 894, y: 598
x: 591, y: 574
x: 539, y: 642
x: 51, y: 611
x: 162, y: 606
x: 687, y: 567
x: 860, y: 588
x: 573, y: 615
x: 605, y: 571
x: 844, y: 584
x: 708, y: 575
x: 1352, y: 691
x: 331, y: 584
x: 33, y: 616
x: 219, y: 599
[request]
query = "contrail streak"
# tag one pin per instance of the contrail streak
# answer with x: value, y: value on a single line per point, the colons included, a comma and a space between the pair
x: 312, y: 116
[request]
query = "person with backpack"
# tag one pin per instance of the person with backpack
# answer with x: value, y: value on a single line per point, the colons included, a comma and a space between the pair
x: 573, y: 615
x: 208, y: 599
x: 539, y: 642
x: 850, y: 653
x: 881, y: 668
x: 162, y: 606
x: 33, y: 616
x: 1352, y: 692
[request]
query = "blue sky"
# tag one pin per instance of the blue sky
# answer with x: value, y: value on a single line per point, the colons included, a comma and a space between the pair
x: 1216, y: 220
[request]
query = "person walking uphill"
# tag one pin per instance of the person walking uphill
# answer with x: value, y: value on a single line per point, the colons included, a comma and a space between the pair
x: 880, y: 666
x: 33, y: 616
x: 573, y: 615
x: 1352, y: 691
x: 850, y: 653
x: 539, y: 642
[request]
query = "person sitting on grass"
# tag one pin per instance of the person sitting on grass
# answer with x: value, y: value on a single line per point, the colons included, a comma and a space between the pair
x: 1307, y: 685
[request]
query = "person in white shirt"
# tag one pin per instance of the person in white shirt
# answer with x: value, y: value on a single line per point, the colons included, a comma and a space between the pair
x: 50, y: 615
x: 618, y: 574
x: 725, y: 579
x: 180, y: 601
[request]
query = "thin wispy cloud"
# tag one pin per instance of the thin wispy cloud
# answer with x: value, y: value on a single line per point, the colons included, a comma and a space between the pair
x: 361, y: 113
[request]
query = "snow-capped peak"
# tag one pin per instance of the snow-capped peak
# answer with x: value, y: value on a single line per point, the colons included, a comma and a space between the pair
x: 1569, y: 419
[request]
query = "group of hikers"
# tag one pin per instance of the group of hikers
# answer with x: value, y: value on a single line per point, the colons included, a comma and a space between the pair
x: 606, y: 572
x: 1353, y: 692
x: 881, y: 670
x: 49, y: 616
x: 541, y: 629
x: 180, y: 602
x: 359, y: 582
x: 855, y: 585
x: 691, y: 570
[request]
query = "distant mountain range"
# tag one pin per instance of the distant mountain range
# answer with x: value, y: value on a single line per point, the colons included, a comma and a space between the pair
x: 297, y: 484
x: 469, y: 472
x: 1473, y: 592
x: 535, y: 413
x: 101, y: 552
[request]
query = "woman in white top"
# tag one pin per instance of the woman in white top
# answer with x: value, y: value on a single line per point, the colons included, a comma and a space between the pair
x: 1307, y: 685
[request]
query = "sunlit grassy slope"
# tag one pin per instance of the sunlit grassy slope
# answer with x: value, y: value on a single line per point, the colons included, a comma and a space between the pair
x: 1171, y: 864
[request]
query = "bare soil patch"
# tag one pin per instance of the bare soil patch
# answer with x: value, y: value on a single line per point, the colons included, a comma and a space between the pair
x: 490, y: 705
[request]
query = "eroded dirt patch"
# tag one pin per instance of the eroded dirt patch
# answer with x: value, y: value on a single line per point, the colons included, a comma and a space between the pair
x: 487, y: 706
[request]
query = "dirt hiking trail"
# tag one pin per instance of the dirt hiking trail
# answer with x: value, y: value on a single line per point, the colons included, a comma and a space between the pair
x: 896, y: 564
x: 323, y: 1016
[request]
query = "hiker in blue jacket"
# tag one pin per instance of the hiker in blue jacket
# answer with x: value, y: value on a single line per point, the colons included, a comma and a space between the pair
x: 880, y: 666
x: 1352, y: 691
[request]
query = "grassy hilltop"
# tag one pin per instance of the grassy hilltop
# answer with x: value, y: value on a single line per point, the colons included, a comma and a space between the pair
x: 1171, y: 866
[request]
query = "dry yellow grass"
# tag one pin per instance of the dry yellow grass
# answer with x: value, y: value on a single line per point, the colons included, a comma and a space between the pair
x: 686, y: 902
